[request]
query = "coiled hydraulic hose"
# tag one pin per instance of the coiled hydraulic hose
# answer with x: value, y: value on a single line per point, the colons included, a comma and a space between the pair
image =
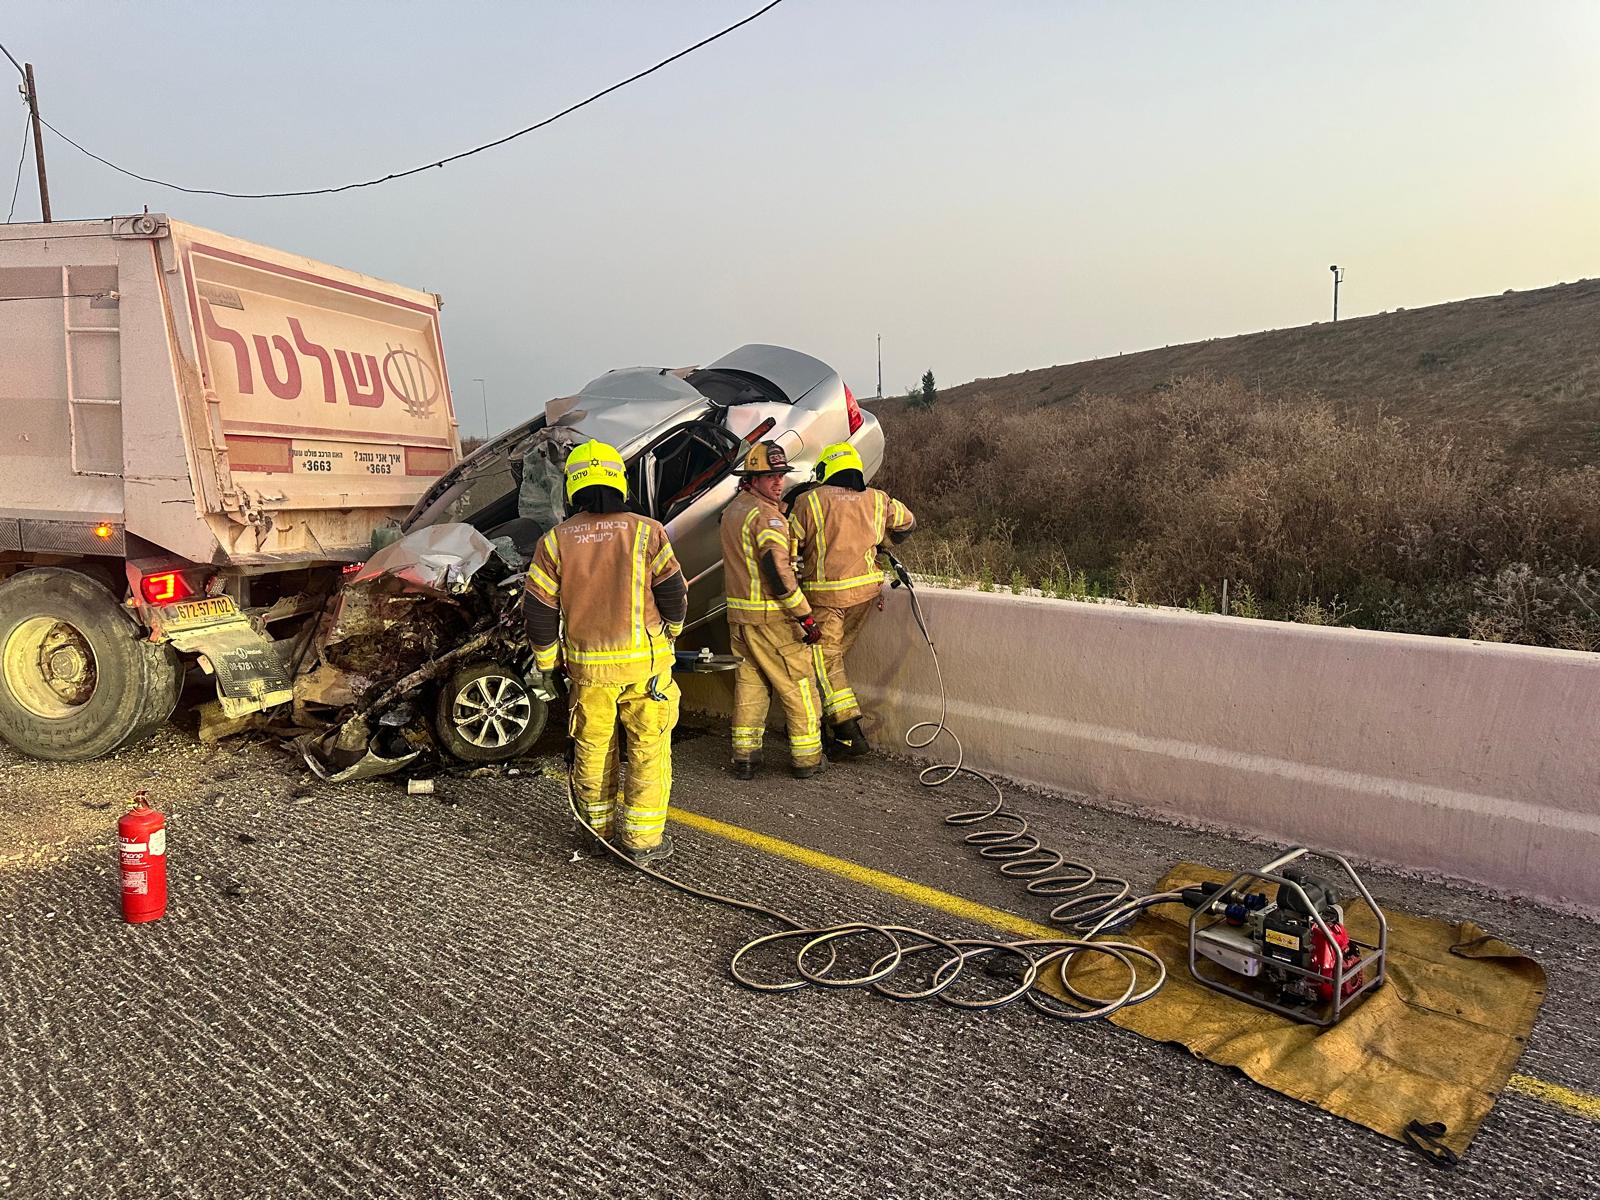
x: 1000, y: 834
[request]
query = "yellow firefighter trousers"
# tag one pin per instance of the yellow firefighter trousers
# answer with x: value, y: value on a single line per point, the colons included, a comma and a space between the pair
x: 774, y: 655
x: 594, y: 710
x: 839, y: 626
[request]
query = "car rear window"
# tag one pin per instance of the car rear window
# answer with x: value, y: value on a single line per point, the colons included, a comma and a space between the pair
x: 728, y: 388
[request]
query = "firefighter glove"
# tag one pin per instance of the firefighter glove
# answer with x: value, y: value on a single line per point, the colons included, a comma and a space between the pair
x: 544, y: 686
x: 809, y: 630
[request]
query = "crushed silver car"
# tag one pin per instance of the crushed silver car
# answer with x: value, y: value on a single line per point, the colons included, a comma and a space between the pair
x: 404, y: 665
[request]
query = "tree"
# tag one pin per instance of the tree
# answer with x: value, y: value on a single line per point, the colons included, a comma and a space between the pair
x: 930, y: 393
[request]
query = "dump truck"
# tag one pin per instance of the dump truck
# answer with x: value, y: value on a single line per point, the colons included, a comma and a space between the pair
x: 199, y: 434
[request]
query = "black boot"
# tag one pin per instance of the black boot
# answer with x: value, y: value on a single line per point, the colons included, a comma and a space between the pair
x: 743, y: 770
x: 655, y: 854
x: 808, y: 772
x: 849, y: 739
x: 583, y: 842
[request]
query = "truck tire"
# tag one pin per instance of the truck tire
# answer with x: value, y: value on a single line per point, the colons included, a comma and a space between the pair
x: 485, y: 714
x: 76, y: 679
x: 164, y: 687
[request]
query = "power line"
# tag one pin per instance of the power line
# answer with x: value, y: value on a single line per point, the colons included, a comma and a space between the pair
x: 21, y: 158
x: 364, y: 183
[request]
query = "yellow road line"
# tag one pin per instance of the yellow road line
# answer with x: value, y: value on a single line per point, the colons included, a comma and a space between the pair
x: 1570, y: 1099
x: 1580, y: 1103
x: 928, y: 897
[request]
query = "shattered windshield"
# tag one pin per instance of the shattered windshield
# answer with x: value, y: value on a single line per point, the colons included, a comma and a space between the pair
x: 485, y: 483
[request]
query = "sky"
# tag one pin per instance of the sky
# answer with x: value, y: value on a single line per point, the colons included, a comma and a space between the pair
x: 990, y: 186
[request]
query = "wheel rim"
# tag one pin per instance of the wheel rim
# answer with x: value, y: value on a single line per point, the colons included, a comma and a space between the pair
x: 49, y: 667
x: 492, y: 711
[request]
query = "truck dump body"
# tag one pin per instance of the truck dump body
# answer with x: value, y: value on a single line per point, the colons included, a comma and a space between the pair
x: 196, y: 432
x: 216, y: 399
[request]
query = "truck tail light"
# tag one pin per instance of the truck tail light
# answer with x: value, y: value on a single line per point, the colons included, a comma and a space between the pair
x: 165, y: 587
x: 852, y: 409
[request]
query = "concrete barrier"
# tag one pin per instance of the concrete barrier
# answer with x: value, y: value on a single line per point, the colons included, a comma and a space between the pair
x: 1473, y: 760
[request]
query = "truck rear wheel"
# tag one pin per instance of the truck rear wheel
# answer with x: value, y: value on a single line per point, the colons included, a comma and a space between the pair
x: 76, y: 680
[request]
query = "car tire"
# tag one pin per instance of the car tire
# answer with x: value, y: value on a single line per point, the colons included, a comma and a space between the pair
x: 76, y: 679
x: 485, y: 713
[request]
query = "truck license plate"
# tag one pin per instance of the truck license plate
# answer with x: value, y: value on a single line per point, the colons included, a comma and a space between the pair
x: 186, y: 614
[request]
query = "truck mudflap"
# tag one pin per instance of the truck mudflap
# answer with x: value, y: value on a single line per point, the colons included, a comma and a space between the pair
x: 249, y: 674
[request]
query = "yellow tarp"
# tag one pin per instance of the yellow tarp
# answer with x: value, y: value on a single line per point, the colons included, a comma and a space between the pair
x: 1436, y: 1043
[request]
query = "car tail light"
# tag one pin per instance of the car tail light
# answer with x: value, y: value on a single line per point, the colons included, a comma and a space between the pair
x: 852, y: 409
x: 165, y: 587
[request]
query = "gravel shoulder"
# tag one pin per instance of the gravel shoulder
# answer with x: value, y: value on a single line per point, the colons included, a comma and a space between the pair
x: 363, y: 993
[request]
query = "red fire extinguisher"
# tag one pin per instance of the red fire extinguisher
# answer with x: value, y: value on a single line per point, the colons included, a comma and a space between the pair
x: 142, y: 847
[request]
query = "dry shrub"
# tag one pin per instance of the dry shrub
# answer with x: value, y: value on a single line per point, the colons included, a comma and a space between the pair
x: 1377, y: 524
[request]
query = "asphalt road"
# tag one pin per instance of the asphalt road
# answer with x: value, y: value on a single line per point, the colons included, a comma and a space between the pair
x: 362, y: 993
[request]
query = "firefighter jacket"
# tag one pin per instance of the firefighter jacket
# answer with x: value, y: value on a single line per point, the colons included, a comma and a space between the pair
x: 839, y: 531
x: 612, y: 580
x: 757, y: 573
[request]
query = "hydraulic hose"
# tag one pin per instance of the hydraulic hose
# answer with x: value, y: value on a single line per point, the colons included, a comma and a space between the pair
x: 1000, y: 834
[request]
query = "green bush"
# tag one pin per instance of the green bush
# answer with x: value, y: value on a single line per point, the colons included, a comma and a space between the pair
x: 1245, y: 604
x: 1154, y: 499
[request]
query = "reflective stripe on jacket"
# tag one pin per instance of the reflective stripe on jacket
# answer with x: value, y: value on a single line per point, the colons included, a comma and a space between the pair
x: 600, y: 570
x: 839, y: 532
x: 754, y: 528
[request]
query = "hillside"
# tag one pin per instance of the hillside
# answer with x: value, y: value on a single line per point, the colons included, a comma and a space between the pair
x: 1521, y: 369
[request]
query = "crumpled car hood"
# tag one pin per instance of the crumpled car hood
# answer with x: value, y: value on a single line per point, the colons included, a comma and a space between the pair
x: 439, y: 558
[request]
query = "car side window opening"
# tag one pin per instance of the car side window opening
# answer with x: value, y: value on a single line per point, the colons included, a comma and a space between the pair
x: 682, y: 466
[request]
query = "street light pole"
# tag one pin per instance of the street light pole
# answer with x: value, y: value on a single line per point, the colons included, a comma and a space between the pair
x: 880, y: 366
x: 483, y: 390
x: 1338, y: 278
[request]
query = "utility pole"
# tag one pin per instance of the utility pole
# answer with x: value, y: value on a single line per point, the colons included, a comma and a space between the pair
x: 880, y: 366
x: 483, y: 390
x: 30, y: 94
x: 1338, y: 278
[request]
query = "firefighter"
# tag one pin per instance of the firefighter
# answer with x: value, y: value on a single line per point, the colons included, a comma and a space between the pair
x: 839, y: 526
x: 769, y: 621
x: 610, y: 576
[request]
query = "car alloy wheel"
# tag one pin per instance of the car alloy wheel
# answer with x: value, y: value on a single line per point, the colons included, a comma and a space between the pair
x: 492, y: 711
